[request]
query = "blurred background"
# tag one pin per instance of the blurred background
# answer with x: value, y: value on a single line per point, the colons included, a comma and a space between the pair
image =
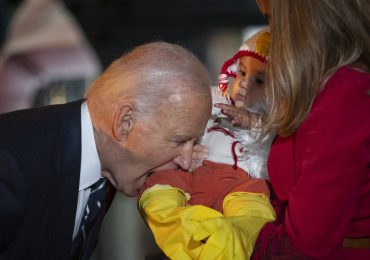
x: 52, y: 50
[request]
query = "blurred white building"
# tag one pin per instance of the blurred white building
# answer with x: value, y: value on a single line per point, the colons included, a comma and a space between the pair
x: 45, y: 58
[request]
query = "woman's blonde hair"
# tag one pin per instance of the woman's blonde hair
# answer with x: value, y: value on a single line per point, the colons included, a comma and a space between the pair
x: 311, y: 39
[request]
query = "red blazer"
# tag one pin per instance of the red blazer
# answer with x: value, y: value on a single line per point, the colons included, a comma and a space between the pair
x: 321, y: 176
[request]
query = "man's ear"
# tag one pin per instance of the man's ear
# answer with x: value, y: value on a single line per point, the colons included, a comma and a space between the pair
x: 123, y: 122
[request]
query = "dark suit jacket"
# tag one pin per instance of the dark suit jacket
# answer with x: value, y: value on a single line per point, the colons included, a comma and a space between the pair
x: 40, y: 157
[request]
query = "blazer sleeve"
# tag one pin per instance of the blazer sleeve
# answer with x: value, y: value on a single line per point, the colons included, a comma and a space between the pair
x: 12, y: 195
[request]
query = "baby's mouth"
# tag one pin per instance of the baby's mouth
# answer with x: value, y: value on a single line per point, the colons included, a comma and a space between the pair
x: 239, y: 97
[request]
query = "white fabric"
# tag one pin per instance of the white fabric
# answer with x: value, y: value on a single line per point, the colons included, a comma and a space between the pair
x: 90, y: 171
x: 217, y: 97
x: 251, y: 151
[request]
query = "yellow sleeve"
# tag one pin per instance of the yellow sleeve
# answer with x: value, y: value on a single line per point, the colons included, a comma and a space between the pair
x: 192, y: 232
x: 176, y: 226
x: 249, y: 212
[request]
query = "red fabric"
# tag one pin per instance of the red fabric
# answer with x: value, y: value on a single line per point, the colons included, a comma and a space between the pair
x: 208, y: 184
x: 175, y: 178
x: 213, y: 181
x: 321, y: 176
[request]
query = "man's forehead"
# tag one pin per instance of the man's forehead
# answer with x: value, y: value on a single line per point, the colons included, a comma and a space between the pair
x: 183, y: 133
x: 185, y: 98
x: 187, y: 122
x: 185, y: 105
x: 185, y: 109
x: 175, y: 98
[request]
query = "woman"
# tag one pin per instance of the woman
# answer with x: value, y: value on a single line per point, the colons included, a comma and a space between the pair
x: 318, y: 91
x: 319, y: 95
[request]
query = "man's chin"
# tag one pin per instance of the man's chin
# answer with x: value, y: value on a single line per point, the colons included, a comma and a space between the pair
x: 127, y: 191
x: 130, y: 193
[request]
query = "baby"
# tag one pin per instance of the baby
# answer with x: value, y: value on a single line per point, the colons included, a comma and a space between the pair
x: 217, y: 210
x: 244, y: 148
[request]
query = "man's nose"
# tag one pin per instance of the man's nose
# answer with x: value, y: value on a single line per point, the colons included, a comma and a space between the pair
x: 185, y: 157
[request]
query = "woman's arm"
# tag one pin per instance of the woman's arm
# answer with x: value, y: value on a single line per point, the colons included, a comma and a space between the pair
x: 330, y: 170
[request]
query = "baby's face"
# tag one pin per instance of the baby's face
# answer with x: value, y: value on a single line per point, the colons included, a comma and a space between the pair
x: 248, y: 89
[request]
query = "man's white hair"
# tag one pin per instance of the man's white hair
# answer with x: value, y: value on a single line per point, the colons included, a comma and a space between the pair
x: 147, y: 76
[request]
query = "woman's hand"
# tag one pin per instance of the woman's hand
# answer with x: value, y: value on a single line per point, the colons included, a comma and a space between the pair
x: 239, y: 116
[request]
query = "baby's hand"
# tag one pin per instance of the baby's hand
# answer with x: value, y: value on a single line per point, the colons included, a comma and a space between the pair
x: 239, y: 116
x: 200, y: 153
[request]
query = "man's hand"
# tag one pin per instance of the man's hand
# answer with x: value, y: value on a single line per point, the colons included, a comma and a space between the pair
x: 239, y: 116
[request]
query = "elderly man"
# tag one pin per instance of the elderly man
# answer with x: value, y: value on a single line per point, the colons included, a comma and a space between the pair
x: 143, y: 113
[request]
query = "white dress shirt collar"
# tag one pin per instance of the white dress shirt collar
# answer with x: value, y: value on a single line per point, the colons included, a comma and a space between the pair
x: 90, y: 171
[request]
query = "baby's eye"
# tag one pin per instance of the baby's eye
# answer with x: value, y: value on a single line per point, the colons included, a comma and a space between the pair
x: 241, y: 73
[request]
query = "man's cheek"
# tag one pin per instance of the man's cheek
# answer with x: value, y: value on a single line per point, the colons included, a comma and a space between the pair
x: 167, y: 166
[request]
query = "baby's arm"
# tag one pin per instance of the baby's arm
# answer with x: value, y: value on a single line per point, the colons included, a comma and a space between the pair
x: 183, y: 231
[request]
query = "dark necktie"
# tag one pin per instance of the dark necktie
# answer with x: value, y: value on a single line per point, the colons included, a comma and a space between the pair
x: 98, y: 192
